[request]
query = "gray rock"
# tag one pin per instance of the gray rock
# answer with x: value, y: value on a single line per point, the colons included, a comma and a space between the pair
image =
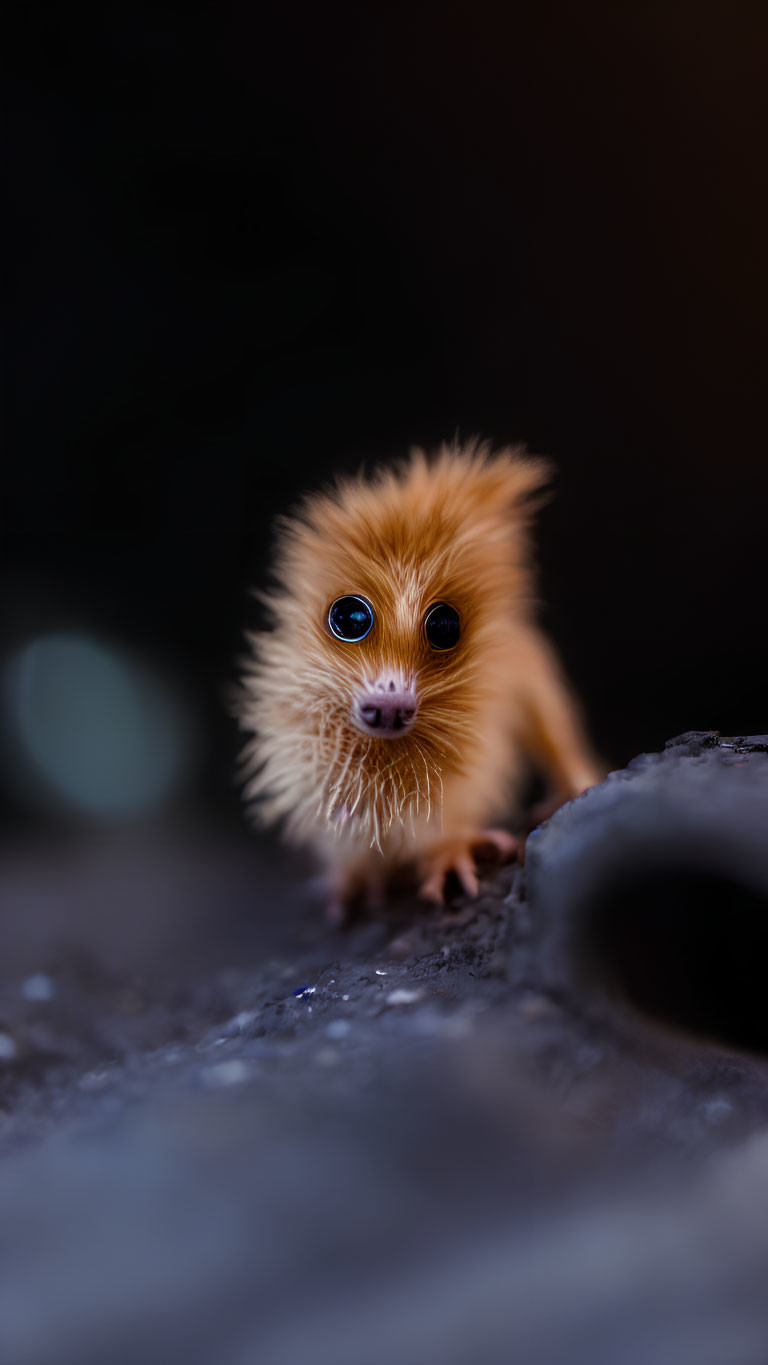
x: 470, y: 1140
x: 647, y: 897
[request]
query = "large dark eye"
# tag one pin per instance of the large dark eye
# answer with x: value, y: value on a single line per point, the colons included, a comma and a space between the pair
x: 350, y: 618
x: 442, y: 626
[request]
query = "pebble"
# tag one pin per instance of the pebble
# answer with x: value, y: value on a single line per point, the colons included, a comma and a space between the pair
x: 534, y: 1007
x: 327, y: 1056
x: 402, y: 946
x: 94, y: 1080
x: 38, y: 987
x: 588, y: 1056
x: 438, y: 1025
x: 404, y: 996
x: 8, y: 1048
x: 221, y: 1074
x: 717, y: 1111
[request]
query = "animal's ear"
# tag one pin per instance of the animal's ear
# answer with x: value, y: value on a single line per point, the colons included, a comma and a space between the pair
x: 507, y: 483
x: 520, y: 482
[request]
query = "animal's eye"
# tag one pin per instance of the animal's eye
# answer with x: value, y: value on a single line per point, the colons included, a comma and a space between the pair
x: 350, y: 618
x: 442, y: 626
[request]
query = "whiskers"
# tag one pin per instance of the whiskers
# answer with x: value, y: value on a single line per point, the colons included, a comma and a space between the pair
x: 325, y: 774
x: 371, y: 787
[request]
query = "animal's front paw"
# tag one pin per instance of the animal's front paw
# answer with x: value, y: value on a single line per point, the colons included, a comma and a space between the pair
x: 459, y: 856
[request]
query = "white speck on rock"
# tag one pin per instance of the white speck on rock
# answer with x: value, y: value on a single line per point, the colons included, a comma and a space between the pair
x: 8, y: 1048
x: 404, y: 996
x: 38, y: 987
x: 379, y: 972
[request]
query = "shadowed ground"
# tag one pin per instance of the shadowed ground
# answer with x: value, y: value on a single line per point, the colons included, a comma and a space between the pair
x: 229, y: 1134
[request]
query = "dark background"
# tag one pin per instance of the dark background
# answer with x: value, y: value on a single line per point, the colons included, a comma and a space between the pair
x: 259, y: 245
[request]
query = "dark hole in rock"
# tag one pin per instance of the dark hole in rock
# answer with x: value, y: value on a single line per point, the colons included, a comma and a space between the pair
x: 689, y: 948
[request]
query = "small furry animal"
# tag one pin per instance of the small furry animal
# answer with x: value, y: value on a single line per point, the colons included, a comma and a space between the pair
x: 404, y: 687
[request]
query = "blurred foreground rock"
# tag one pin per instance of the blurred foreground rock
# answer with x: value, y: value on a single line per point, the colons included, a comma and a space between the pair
x: 496, y: 1134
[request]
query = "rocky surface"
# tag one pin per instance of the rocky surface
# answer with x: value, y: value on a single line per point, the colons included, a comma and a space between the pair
x: 229, y: 1134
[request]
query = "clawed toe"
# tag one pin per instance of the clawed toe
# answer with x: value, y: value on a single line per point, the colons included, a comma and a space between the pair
x: 463, y: 868
x: 458, y: 857
x: 504, y: 844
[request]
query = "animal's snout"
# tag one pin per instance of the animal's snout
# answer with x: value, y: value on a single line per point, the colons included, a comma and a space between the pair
x: 386, y: 711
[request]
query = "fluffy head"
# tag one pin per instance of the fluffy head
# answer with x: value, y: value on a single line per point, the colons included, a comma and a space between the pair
x: 451, y: 530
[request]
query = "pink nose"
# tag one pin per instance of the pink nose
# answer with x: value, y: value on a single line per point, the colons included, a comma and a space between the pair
x: 386, y: 713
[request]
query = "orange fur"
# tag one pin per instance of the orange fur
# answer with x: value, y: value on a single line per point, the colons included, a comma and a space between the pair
x: 454, y: 529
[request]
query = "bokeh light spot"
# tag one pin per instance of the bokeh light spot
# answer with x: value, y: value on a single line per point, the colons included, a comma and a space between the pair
x: 104, y: 734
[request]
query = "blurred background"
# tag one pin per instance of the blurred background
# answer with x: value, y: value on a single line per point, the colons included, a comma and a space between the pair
x: 258, y: 245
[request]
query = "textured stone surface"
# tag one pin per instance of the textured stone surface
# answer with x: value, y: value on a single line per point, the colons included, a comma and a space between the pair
x: 654, y: 886
x: 230, y: 1135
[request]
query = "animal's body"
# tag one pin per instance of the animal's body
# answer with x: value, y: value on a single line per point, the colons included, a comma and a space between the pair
x: 404, y: 687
